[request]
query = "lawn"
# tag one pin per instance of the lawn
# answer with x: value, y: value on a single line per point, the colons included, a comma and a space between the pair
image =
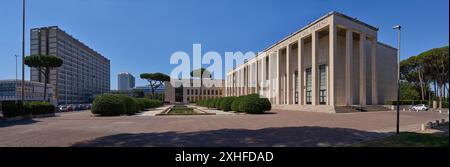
x: 181, y: 110
x: 408, y: 139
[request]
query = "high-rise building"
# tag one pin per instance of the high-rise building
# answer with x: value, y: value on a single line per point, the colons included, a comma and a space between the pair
x: 84, y: 74
x: 125, y: 81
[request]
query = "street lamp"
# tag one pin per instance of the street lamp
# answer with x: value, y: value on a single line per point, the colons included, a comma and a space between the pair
x: 399, y: 28
x: 16, y: 79
x: 23, y: 53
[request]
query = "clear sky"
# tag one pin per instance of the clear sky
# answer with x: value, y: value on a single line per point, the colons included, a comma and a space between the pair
x: 141, y: 35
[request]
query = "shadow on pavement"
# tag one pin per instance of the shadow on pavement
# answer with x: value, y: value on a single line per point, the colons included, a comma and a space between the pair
x: 18, y: 122
x: 270, y: 137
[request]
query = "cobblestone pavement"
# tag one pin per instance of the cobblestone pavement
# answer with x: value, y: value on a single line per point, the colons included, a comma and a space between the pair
x: 282, y: 128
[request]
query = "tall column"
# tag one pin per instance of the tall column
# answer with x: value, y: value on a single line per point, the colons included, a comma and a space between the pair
x: 315, y: 53
x: 374, y: 71
x: 287, y: 89
x: 278, y: 78
x: 270, y: 90
x: 348, y: 67
x: 362, y: 69
x: 331, y: 59
x: 300, y: 72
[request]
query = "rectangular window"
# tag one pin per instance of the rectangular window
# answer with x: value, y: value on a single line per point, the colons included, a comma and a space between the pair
x: 308, y: 86
x: 322, y: 84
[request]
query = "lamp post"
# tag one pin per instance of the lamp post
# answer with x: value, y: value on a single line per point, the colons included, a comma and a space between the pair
x: 398, y: 28
x: 23, y: 53
x: 16, y: 79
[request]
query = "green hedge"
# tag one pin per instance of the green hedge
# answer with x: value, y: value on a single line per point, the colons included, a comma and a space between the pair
x: 236, y: 103
x: 225, y: 103
x: 217, y: 103
x: 251, y: 104
x: 39, y: 108
x: 115, y: 105
x: 108, y: 105
x: 406, y: 102
x: 13, y: 109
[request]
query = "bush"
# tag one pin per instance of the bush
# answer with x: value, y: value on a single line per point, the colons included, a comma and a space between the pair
x: 406, y: 102
x: 251, y: 105
x: 225, y: 103
x: 141, y: 103
x: 265, y: 104
x: 235, y: 104
x: 217, y: 103
x: 11, y: 109
x: 211, y: 103
x: 39, y: 108
x: 108, y: 105
x: 131, y: 106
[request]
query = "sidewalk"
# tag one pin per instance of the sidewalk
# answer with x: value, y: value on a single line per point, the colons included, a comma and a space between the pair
x: 211, y: 110
x: 153, y: 112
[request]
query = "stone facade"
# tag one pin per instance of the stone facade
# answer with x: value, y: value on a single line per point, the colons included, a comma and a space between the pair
x: 341, y: 63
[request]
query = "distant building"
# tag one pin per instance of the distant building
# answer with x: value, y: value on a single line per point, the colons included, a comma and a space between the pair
x: 148, y: 90
x: 189, y: 91
x: 11, y: 90
x: 84, y: 73
x: 125, y: 81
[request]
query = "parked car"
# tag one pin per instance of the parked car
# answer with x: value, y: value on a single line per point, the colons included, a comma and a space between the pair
x: 420, y: 107
x: 62, y: 108
x: 70, y: 108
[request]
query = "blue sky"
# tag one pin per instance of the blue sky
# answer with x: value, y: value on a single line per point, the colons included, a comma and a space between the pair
x: 141, y: 35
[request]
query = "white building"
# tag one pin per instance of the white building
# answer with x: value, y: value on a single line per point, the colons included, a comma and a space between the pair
x: 334, y: 61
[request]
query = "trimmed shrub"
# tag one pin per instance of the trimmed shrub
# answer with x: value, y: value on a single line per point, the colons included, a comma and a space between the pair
x: 212, y: 103
x: 39, y: 108
x: 251, y: 105
x: 406, y: 102
x: 235, y: 104
x: 108, y: 105
x: 217, y: 103
x: 225, y: 103
x: 12, y: 109
x: 131, y: 105
x: 141, y: 103
x: 265, y: 104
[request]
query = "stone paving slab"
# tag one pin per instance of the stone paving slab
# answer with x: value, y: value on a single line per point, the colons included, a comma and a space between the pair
x: 214, y: 111
x: 284, y: 128
x: 153, y: 112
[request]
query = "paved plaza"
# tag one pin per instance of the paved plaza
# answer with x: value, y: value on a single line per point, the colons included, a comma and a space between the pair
x: 278, y: 129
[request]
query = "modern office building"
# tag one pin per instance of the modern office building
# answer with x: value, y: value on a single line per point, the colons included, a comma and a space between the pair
x: 148, y: 90
x: 84, y: 73
x: 178, y: 92
x: 11, y: 90
x: 125, y: 81
x: 335, y: 61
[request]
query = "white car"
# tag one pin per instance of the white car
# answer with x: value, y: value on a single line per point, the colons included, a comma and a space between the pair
x: 420, y: 107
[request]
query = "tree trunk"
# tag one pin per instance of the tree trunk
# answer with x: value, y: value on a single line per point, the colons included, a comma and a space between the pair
x: 435, y: 90
x: 47, y: 74
x: 421, y: 85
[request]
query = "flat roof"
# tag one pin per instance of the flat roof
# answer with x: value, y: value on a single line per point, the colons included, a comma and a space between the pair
x: 315, y: 22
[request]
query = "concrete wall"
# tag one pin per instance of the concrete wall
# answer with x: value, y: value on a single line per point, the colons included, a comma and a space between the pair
x: 387, y: 73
